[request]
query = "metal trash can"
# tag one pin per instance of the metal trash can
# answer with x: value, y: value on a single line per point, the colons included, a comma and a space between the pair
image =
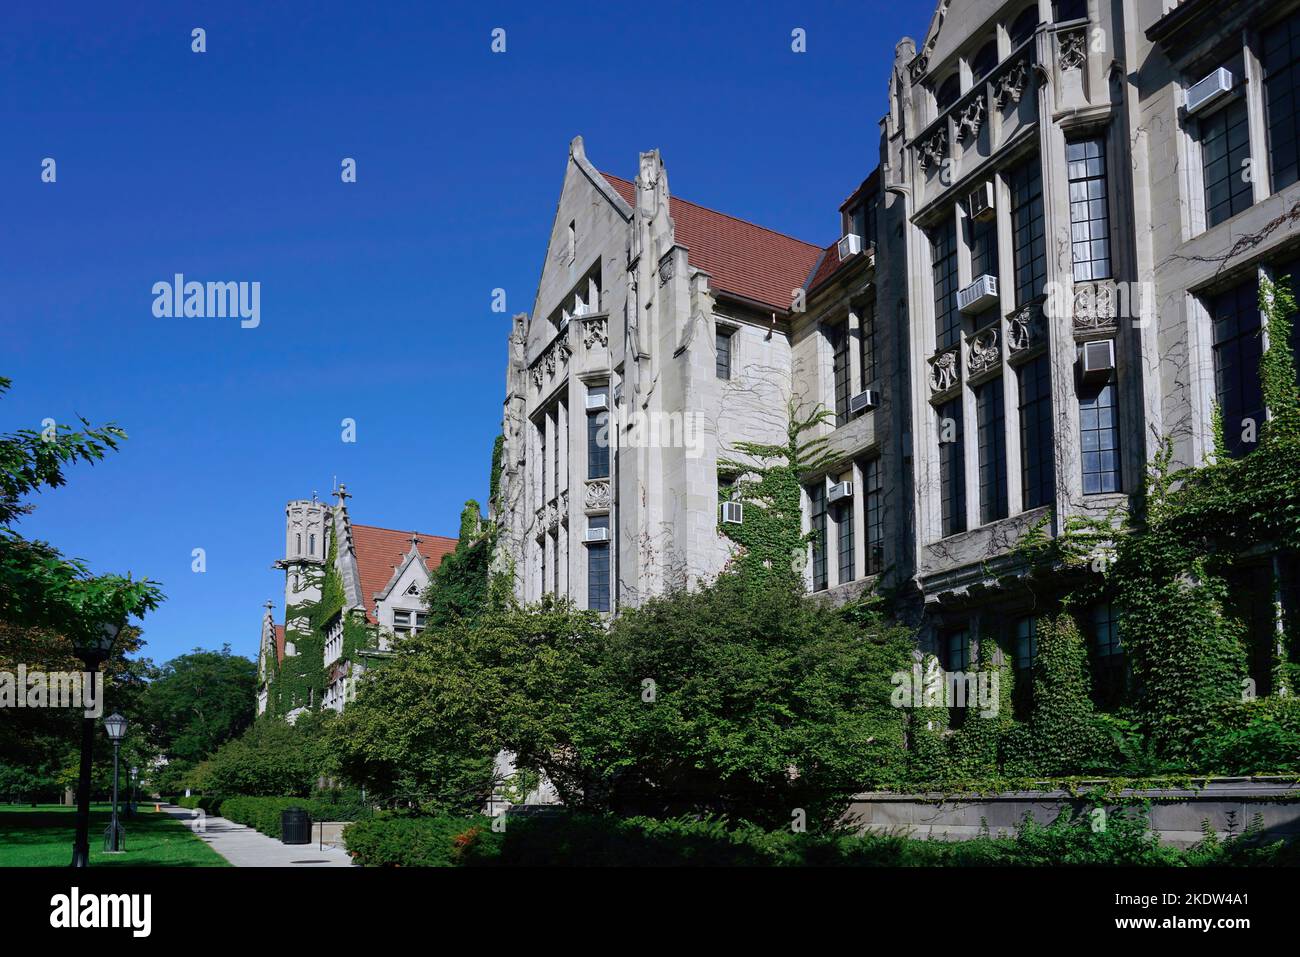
x: 295, y: 826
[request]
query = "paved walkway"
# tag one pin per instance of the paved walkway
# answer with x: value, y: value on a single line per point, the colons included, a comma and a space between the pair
x: 245, y: 847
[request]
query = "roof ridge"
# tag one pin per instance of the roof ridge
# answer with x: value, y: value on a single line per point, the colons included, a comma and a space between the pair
x: 717, y: 212
x: 401, y: 531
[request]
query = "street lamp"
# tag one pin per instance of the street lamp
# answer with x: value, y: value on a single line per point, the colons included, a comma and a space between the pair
x: 135, y: 776
x: 115, y: 725
x: 93, y: 647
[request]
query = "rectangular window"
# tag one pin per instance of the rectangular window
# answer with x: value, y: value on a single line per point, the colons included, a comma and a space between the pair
x: 1225, y: 145
x: 1029, y: 248
x: 873, y: 513
x: 724, y: 352
x: 1089, y: 216
x: 1036, y: 432
x: 1237, y: 351
x: 1026, y: 643
x: 1108, y: 657
x: 943, y: 260
x: 844, y: 534
x: 598, y: 568
x: 952, y: 468
x: 817, y: 521
x: 983, y: 238
x: 867, y: 344
x: 1099, y: 438
x: 862, y: 221
x: 990, y: 413
x: 598, y: 436
x: 401, y: 622
x: 839, y: 338
x: 956, y: 647
x: 1281, y: 62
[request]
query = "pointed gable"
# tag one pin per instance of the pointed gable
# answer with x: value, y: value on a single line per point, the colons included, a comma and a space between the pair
x: 378, y: 550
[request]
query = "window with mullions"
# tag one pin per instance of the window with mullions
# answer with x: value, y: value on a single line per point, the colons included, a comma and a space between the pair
x: 1028, y: 247
x: 873, y: 515
x: 862, y: 221
x: 1237, y: 351
x: 723, y: 341
x: 952, y: 468
x: 598, y: 436
x: 1026, y: 643
x: 983, y: 238
x: 1023, y: 27
x: 867, y: 344
x: 1281, y: 62
x: 982, y: 64
x: 1108, y: 656
x: 943, y: 267
x: 948, y: 93
x: 990, y: 415
x: 598, y: 567
x: 817, y: 522
x: 844, y: 535
x: 956, y: 650
x: 1089, y: 215
x: 1099, y: 437
x: 1225, y: 145
x: 1036, y: 432
x: 839, y: 339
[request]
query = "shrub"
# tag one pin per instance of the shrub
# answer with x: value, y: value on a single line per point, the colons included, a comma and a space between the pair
x: 399, y: 841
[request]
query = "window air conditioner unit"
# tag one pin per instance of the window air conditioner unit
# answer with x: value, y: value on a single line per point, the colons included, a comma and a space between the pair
x: 849, y: 245
x: 597, y: 400
x: 564, y: 322
x: 596, y: 535
x: 1098, y: 359
x: 733, y: 513
x: 980, y: 204
x: 979, y: 295
x: 839, y: 490
x: 864, y: 402
x: 1206, y: 91
x: 581, y: 309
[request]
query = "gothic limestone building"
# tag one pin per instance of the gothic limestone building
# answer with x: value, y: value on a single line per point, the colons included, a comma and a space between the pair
x: 341, y: 581
x: 1052, y: 269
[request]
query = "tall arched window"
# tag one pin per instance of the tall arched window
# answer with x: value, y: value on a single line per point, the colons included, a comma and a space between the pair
x: 1023, y: 27
x: 948, y: 92
x: 1067, y: 10
x: 982, y: 64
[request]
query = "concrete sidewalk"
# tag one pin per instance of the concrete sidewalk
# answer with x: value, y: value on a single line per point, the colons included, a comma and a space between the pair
x: 244, y: 847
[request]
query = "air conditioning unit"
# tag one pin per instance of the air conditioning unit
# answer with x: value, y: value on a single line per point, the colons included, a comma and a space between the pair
x: 1098, y: 359
x: 1206, y: 91
x: 733, y: 513
x: 563, y: 324
x: 980, y: 203
x: 596, y: 535
x: 864, y: 402
x: 839, y: 490
x: 979, y: 295
x: 849, y: 245
x: 581, y: 309
x: 597, y: 400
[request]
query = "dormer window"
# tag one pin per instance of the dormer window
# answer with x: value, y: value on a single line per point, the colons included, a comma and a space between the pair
x: 1023, y: 27
x: 949, y: 91
x: 982, y: 64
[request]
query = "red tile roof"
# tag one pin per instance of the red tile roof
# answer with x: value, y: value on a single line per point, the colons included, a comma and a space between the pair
x: 743, y: 259
x: 380, y: 549
x: 830, y: 264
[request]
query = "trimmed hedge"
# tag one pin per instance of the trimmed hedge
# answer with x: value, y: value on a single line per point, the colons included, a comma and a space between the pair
x: 593, y: 840
x: 263, y: 813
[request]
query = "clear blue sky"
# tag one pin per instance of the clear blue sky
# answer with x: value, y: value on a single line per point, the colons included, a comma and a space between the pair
x: 376, y: 296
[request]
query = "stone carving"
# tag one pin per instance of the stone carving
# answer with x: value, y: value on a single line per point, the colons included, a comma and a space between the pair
x: 934, y: 149
x: 944, y: 371
x: 594, y: 331
x: 666, y: 270
x: 562, y: 511
x: 1072, y: 48
x: 984, y: 351
x: 971, y: 118
x: 597, y: 496
x: 556, y: 356
x: 1010, y: 86
x: 916, y: 69
x: 1094, y: 306
x: 1025, y: 329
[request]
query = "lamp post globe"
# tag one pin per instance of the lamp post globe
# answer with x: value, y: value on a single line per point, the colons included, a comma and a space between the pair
x: 115, y: 725
x: 93, y: 645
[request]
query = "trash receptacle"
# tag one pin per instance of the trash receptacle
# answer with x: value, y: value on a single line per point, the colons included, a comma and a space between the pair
x: 295, y: 826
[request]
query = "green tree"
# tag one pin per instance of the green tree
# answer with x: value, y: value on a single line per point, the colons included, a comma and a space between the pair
x: 199, y: 701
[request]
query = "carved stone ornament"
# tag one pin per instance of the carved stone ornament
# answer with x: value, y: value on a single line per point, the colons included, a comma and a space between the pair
x: 971, y: 118
x: 916, y: 69
x: 1010, y: 86
x: 1094, y: 306
x: 1025, y: 329
x: 666, y: 270
x: 597, y: 495
x: 934, y: 148
x: 944, y: 371
x: 1072, y: 48
x: 594, y: 331
x: 984, y: 352
x: 555, y: 357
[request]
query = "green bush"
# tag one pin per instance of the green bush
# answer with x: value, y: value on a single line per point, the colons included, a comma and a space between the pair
x: 395, y: 841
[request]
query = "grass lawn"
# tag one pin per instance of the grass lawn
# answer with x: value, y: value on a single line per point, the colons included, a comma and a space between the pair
x: 42, y: 836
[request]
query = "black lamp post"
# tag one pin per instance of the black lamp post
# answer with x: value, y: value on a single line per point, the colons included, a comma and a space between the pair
x: 93, y: 648
x: 115, y: 725
x: 135, y: 776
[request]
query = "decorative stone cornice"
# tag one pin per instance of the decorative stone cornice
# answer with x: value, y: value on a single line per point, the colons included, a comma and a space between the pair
x: 945, y: 371
x: 555, y: 357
